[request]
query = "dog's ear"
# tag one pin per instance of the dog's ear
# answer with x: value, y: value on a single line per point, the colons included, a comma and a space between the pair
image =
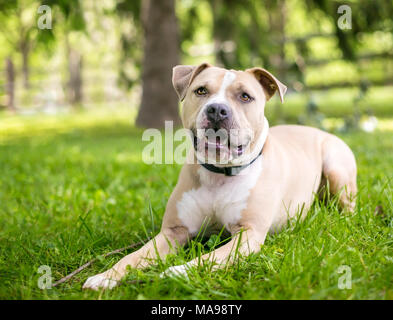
x: 182, y: 76
x: 269, y: 82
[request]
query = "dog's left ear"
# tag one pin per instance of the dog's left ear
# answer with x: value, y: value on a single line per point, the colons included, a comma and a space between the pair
x: 269, y: 83
x: 182, y: 77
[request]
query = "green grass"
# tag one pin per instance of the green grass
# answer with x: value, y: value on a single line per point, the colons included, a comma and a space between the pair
x: 74, y: 187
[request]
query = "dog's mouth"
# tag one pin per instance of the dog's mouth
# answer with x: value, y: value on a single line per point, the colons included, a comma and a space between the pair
x: 211, y: 142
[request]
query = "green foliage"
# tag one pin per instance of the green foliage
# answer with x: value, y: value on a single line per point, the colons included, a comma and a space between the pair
x: 19, y: 19
x: 296, y: 40
x: 129, y: 12
x: 73, y: 188
x: 71, y: 10
x: 367, y: 17
x: 17, y: 22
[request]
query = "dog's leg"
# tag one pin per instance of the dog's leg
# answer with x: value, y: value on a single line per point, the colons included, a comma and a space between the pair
x: 339, y: 169
x: 172, y: 235
x: 167, y: 240
x: 243, y: 243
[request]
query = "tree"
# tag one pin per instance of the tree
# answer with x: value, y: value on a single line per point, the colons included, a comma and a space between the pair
x: 131, y: 55
x: 161, y: 54
x: 75, y: 83
x: 71, y: 19
x: 18, y: 26
x: 10, y: 84
x: 157, y: 21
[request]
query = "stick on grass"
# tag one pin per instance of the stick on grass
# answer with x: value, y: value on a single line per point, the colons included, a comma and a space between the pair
x: 87, y: 264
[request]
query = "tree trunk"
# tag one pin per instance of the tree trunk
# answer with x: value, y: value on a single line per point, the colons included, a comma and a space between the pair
x: 75, y: 84
x: 10, y: 84
x: 161, y: 54
x: 75, y: 81
x: 277, y: 18
x: 25, y: 64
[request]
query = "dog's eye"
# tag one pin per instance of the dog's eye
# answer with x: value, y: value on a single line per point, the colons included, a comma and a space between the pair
x: 201, y: 91
x: 245, y: 97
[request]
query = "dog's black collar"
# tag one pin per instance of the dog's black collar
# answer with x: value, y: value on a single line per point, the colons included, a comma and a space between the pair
x: 228, y: 171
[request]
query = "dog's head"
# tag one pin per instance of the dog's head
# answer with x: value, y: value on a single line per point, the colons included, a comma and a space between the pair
x: 224, y: 108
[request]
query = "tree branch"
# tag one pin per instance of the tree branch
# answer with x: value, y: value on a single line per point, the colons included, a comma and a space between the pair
x: 87, y: 264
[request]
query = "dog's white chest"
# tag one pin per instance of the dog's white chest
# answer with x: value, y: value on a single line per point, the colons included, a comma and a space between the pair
x: 219, y: 200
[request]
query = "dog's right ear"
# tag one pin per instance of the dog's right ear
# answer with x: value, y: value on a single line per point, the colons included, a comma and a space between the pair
x: 182, y: 76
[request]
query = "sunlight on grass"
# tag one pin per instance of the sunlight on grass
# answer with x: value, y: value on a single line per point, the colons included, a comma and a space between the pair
x: 385, y: 124
x: 13, y: 126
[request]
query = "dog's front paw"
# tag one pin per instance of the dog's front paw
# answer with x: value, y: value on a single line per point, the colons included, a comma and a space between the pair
x: 176, y: 271
x: 99, y: 281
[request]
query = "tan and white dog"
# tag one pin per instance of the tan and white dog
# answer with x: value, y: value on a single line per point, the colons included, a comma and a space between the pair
x: 284, y: 167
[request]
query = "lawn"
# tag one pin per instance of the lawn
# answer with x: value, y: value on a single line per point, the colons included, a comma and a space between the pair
x: 74, y: 187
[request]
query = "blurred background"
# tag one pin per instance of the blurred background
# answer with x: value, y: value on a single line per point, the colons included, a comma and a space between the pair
x: 115, y: 57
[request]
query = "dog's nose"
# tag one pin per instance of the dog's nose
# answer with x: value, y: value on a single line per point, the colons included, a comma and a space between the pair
x: 217, y: 112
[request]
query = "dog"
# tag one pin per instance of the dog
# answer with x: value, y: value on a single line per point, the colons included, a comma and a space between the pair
x: 253, y: 184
